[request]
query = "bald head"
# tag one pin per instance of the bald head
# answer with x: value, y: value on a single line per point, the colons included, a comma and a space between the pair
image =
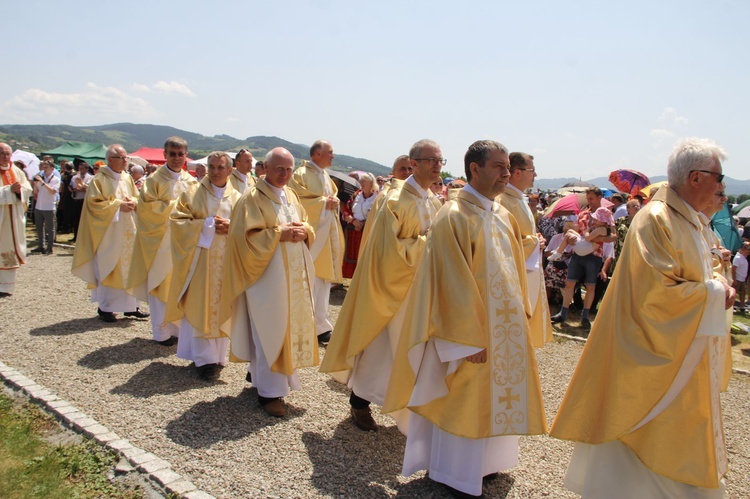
x: 279, y: 164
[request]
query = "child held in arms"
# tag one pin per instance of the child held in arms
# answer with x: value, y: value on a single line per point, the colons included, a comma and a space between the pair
x: 583, y: 244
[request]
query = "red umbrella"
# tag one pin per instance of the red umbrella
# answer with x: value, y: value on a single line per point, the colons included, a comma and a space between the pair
x: 571, y: 204
x: 629, y: 181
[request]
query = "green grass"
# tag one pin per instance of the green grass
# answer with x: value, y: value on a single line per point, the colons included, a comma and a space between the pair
x: 31, y: 467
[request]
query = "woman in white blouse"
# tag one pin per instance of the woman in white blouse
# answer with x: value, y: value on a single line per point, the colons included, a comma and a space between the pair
x: 355, y: 216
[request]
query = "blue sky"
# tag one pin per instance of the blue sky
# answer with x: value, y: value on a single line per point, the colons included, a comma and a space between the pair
x: 584, y: 86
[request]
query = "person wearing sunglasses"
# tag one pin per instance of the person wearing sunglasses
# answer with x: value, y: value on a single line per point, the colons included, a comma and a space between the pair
x: 152, y: 257
x: 643, y: 405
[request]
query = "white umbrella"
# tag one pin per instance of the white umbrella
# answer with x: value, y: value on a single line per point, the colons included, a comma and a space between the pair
x: 29, y: 159
x: 204, y: 160
x: 137, y: 160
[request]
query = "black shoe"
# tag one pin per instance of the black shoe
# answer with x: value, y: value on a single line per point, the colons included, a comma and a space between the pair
x: 48, y: 252
x: 137, y: 314
x: 106, y: 316
x: 557, y: 319
x: 3, y: 294
x: 325, y: 337
x: 38, y: 250
x: 209, y: 372
x: 248, y: 377
x: 585, y: 323
x: 168, y: 342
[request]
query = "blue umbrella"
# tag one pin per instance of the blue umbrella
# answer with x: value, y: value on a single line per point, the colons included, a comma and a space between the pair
x: 723, y: 225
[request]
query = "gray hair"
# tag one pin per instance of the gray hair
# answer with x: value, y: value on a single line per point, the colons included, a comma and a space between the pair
x: 690, y: 154
x: 219, y: 154
x: 367, y: 176
x: 416, y: 149
x: 137, y: 169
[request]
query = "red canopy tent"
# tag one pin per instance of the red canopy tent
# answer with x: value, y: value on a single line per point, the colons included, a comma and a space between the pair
x: 153, y: 155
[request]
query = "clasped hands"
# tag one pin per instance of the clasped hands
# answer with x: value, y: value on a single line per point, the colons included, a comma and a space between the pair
x: 332, y: 203
x: 293, y: 232
x: 221, y: 225
x: 127, y: 205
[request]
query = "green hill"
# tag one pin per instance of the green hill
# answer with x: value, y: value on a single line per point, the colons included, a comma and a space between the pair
x: 38, y: 138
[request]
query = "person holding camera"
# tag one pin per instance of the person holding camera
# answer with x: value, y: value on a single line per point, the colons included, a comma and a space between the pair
x: 46, y: 187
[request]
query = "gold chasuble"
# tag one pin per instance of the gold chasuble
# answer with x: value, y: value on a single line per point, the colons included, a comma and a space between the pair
x: 195, y: 290
x: 105, y: 232
x: 385, y: 270
x: 313, y: 185
x: 152, y: 260
x: 470, y: 290
x: 12, y: 224
x: 540, y: 324
x: 269, y: 282
x: 650, y: 373
x: 241, y: 185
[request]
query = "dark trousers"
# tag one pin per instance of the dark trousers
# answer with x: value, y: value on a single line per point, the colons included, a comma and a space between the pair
x: 45, y: 228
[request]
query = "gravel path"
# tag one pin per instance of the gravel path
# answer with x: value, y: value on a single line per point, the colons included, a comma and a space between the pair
x: 217, y: 436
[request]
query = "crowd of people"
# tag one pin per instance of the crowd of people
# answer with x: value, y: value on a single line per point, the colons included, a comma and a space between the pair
x: 448, y: 299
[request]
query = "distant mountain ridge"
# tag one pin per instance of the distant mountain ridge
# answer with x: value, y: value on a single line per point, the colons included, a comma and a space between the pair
x: 38, y: 138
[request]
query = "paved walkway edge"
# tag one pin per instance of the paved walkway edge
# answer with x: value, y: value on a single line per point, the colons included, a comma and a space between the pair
x: 583, y: 340
x: 156, y: 470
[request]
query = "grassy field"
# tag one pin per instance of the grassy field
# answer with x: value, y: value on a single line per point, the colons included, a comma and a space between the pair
x: 30, y: 466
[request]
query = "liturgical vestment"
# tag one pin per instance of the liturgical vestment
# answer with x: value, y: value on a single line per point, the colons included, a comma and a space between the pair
x: 267, y: 290
x: 468, y: 295
x: 197, y: 272
x: 369, y: 324
x: 12, y: 225
x: 541, y: 327
x: 150, y: 274
x: 240, y: 182
x: 106, y: 235
x: 643, y: 402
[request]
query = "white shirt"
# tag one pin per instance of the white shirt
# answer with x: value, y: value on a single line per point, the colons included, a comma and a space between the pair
x: 740, y: 263
x: 46, y: 200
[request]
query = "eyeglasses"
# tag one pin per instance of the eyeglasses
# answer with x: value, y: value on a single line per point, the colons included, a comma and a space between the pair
x: 176, y: 154
x: 117, y: 157
x: 532, y: 170
x: 719, y: 176
x: 433, y: 161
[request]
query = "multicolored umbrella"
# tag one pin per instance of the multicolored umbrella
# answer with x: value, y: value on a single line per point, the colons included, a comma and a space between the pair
x: 629, y: 181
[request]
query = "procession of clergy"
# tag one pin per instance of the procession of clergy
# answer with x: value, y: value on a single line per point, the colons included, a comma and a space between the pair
x: 443, y: 313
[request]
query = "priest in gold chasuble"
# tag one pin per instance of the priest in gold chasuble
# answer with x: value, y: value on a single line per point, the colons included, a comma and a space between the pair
x: 317, y: 192
x: 150, y: 275
x: 199, y: 226
x: 368, y: 327
x: 643, y: 403
x: 242, y: 177
x: 267, y: 302
x: 106, y: 235
x: 522, y: 173
x: 465, y: 366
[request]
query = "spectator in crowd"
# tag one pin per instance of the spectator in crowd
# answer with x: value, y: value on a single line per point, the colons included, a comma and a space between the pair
x: 105, y: 238
x: 318, y: 195
x: 535, y: 207
x: 438, y: 189
x: 556, y: 271
x: 136, y: 171
x: 260, y: 169
x: 151, y: 169
x: 621, y: 229
x: 618, y: 205
x: 586, y: 267
x: 65, y: 208
x: 355, y: 215
x: 46, y: 190
x: 200, y: 171
x: 150, y: 277
x: 78, y: 185
x: 739, y: 275
x: 268, y: 284
x: 369, y: 325
x: 15, y: 192
x: 199, y: 226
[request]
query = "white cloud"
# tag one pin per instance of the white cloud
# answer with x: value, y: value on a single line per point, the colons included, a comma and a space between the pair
x: 660, y: 133
x: 670, y: 116
x: 94, y: 102
x: 139, y: 87
x: 173, y: 87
